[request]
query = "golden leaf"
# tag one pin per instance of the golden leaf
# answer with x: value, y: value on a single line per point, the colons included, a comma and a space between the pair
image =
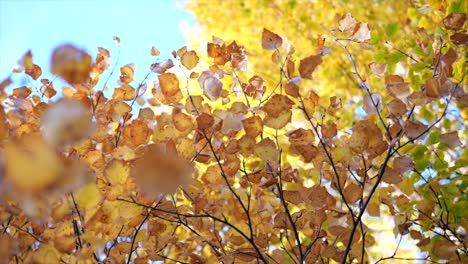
x: 189, y: 59
x: 159, y: 172
x: 31, y: 164
x: 71, y: 63
x: 136, y: 133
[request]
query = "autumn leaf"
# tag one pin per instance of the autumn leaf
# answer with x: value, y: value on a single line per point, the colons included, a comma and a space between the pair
x: 451, y: 139
x: 211, y: 84
x: 361, y: 32
x: 136, y: 133
x: 71, y: 63
x: 155, y: 51
x: 32, y: 165
x: 455, y: 21
x: 270, y: 40
x: 190, y: 59
x: 378, y: 69
x: 169, y: 84
x: 160, y: 172
x: 397, y: 87
x: 308, y: 65
x: 347, y: 23
x: 66, y: 122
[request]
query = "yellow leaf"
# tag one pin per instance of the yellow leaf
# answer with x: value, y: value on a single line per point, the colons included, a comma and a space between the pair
x: 190, y: 59
x: 32, y: 165
x: 88, y: 196
x: 116, y: 172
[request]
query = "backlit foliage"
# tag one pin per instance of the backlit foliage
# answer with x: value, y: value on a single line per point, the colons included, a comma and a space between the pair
x: 231, y: 162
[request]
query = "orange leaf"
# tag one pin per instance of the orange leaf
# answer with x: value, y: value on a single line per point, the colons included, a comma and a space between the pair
x: 253, y: 126
x: 136, y: 132
x: 160, y: 172
x: 71, y: 63
x: 169, y: 84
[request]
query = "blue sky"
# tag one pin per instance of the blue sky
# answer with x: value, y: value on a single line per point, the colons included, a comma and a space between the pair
x: 41, y: 25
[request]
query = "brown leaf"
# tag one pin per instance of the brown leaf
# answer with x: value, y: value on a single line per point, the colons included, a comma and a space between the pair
x: 418, y: 98
x: 71, y: 63
x: 278, y: 122
x: 162, y: 67
x: 378, y: 69
x: 308, y: 65
x: 374, y: 209
x: 182, y: 122
x: 35, y: 71
x: 444, y: 249
x: 126, y: 73
x: 136, y: 133
x: 253, y: 126
x: 397, y: 87
x: 368, y: 104
x: 5, y: 83
x: 205, y: 121
x: 432, y: 87
x: 460, y: 39
x: 277, y: 104
x: 293, y: 197
x: 367, y: 138
x: 352, y: 193
x: 403, y: 164
x: 329, y: 130
x: 451, y: 139
x: 391, y: 176
x: 397, y: 108
x: 455, y: 21
x: 292, y: 89
x: 414, y: 129
x: 270, y: 40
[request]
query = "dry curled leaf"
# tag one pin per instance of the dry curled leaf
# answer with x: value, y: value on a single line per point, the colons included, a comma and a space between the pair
x: 347, y: 23
x: 361, y: 32
x: 210, y: 83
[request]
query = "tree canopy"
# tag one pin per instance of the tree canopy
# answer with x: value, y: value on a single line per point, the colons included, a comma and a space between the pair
x: 282, y: 138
